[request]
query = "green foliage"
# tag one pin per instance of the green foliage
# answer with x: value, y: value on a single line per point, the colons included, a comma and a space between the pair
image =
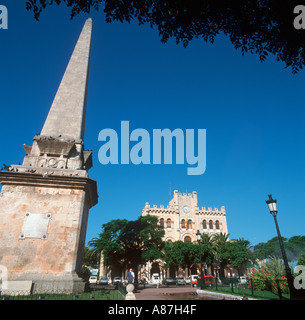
x: 294, y: 247
x: 259, y: 27
x: 180, y: 253
x: 207, y: 253
x: 111, y: 241
x: 265, y: 281
x: 85, y: 273
x: 149, y: 238
x: 301, y: 260
x: 270, y: 248
x: 91, y: 257
x: 238, y: 253
x: 219, y: 243
x: 270, y: 275
x: 274, y: 267
x: 130, y: 243
x: 212, y: 248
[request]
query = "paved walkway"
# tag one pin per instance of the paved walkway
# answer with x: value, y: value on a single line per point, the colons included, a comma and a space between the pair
x: 167, y: 293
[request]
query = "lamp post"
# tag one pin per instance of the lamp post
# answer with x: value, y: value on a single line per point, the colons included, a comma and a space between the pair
x: 273, y: 210
x: 198, y: 236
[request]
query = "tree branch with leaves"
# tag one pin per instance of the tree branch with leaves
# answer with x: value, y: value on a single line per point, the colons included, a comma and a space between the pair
x: 259, y: 27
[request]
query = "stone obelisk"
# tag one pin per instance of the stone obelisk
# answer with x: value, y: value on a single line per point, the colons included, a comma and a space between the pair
x: 44, y: 203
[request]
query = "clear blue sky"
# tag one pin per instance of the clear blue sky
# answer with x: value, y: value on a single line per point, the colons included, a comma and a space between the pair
x: 253, y: 113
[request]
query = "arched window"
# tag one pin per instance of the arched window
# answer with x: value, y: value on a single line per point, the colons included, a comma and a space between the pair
x: 168, y: 223
x: 204, y: 224
x: 183, y: 224
x: 187, y: 239
x: 211, y: 224
x: 217, y: 225
x: 162, y: 222
x: 189, y: 224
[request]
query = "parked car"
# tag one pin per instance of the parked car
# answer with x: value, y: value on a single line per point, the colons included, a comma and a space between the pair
x: 194, y: 280
x: 169, y: 281
x: 103, y: 280
x: 209, y: 280
x: 155, y: 279
x: 180, y: 281
x: 242, y: 280
x: 93, y: 279
x: 117, y: 280
x: 188, y: 280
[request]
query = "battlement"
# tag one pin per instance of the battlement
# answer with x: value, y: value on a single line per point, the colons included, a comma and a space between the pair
x: 185, y: 194
x: 210, y: 212
x: 161, y: 207
x: 148, y: 209
x: 216, y: 210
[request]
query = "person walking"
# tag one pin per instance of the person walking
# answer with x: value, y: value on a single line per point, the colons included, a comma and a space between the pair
x: 130, y: 276
x: 133, y: 276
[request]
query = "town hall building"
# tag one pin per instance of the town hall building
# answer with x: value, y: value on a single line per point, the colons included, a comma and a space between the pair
x: 182, y: 218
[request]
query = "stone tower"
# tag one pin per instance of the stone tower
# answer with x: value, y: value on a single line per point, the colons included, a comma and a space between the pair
x: 44, y: 203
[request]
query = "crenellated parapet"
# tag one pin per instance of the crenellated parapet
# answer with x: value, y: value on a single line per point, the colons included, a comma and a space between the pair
x: 212, y: 212
x: 170, y: 209
x: 154, y: 209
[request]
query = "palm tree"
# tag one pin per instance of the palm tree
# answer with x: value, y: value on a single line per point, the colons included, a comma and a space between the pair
x: 219, y: 244
x: 94, y: 248
x: 91, y: 258
x: 207, y: 241
x: 274, y: 266
x: 207, y: 238
x: 220, y: 238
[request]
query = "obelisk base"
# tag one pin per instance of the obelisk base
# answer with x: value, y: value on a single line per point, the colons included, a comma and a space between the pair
x: 54, y: 284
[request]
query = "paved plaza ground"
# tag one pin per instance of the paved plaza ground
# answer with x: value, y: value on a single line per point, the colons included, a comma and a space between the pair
x: 168, y: 293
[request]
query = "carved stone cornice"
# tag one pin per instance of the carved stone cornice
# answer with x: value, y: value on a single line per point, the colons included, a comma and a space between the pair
x: 47, y: 180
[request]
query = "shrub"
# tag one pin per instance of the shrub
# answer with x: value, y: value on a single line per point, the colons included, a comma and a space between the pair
x: 264, y: 281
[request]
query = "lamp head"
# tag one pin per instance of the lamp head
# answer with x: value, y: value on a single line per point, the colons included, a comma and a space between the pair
x: 198, y: 235
x: 271, y: 205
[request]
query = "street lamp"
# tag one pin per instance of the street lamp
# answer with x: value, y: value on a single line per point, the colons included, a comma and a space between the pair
x: 273, y: 210
x: 198, y: 236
